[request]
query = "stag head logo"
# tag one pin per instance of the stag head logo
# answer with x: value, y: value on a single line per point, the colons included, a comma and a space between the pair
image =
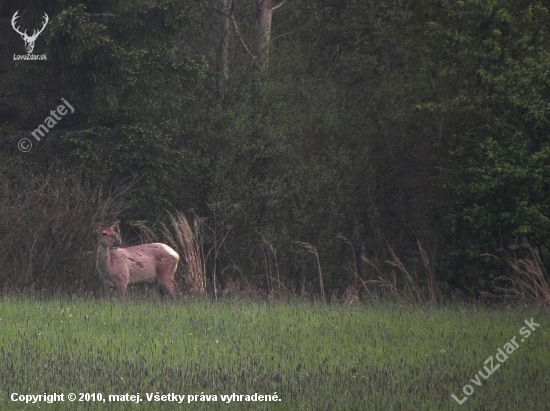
x: 29, y: 40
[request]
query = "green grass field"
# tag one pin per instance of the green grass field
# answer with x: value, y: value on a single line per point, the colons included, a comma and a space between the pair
x: 309, y: 356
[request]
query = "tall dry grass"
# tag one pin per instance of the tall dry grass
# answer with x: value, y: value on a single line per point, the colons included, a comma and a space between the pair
x: 402, y: 282
x: 186, y: 240
x: 313, y: 251
x: 528, y: 280
x: 273, y: 277
x: 46, y: 241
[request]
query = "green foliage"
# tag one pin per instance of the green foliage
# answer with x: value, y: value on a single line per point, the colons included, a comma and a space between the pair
x: 384, y: 123
x: 124, y: 72
x: 495, y: 64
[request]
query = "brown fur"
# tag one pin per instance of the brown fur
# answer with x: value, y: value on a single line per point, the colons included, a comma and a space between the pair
x: 142, y: 264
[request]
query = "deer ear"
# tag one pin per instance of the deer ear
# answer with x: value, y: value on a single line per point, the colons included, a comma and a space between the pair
x: 97, y: 226
x: 114, y: 225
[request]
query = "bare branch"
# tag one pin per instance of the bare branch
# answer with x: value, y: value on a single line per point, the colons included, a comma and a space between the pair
x: 279, y: 5
x: 254, y: 58
x: 281, y: 35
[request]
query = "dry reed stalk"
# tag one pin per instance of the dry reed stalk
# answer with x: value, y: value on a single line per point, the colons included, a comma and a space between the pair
x: 410, y: 291
x: 528, y: 280
x: 313, y: 251
x: 270, y: 254
x: 430, y: 275
x: 186, y: 240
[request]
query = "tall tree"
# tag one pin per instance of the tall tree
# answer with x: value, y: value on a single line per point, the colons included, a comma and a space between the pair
x: 226, y: 7
x: 264, y: 17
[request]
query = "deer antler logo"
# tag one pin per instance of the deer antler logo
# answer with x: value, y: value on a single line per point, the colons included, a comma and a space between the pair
x: 29, y: 40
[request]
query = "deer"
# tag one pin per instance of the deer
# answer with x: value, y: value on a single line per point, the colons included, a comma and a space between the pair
x: 141, y: 264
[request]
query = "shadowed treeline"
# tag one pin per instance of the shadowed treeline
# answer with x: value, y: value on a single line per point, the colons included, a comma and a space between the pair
x: 342, y: 149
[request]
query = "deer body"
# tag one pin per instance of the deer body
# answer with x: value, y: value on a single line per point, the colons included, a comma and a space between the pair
x: 142, y: 264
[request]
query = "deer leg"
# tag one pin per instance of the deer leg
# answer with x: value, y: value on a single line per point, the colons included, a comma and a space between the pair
x: 165, y: 278
x: 166, y: 288
x: 121, y: 288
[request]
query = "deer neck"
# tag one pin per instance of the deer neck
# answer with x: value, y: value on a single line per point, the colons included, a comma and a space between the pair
x: 103, y: 260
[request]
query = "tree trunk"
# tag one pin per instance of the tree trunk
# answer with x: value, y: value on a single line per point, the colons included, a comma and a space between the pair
x: 264, y: 15
x: 226, y: 9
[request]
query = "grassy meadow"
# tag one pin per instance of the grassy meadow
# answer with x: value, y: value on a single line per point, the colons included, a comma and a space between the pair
x: 311, y: 356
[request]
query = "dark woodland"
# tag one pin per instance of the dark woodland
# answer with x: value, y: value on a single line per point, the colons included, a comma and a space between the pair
x: 339, y: 149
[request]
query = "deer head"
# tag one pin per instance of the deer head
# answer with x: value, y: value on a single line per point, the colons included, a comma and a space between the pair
x: 29, y: 40
x: 108, y: 235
